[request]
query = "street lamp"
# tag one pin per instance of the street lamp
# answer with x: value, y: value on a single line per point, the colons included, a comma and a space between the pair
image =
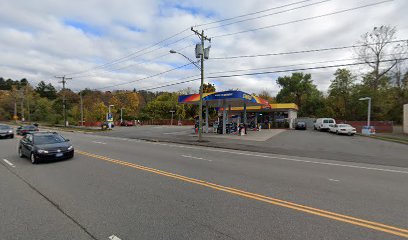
x: 195, y: 63
x: 201, y: 55
x: 369, y: 109
x: 121, y: 114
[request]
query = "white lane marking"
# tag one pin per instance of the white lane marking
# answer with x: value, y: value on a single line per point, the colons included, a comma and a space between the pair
x: 8, y: 162
x: 188, y: 156
x: 176, y: 133
x: 98, y: 142
x: 334, y: 180
x: 291, y: 159
x: 274, y: 157
x: 113, y: 237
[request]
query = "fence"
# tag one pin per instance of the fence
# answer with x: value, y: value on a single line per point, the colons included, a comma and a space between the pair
x: 380, y: 126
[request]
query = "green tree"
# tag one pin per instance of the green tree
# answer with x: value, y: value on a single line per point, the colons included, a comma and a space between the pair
x: 46, y: 90
x: 339, y: 93
x: 208, y: 88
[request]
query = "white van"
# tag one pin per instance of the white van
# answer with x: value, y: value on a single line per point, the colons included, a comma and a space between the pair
x: 323, y: 123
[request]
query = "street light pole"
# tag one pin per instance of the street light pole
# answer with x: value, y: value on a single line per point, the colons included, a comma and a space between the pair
x: 121, y: 115
x: 368, y: 110
x: 172, y: 111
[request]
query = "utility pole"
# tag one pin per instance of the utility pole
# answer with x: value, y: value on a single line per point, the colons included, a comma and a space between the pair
x: 200, y: 116
x: 82, y: 108
x: 22, y: 104
x: 64, y: 108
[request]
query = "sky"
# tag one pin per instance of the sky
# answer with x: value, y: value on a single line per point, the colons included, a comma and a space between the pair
x: 121, y: 44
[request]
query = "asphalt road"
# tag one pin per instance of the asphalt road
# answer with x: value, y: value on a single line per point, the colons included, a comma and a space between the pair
x: 313, y: 144
x: 133, y: 189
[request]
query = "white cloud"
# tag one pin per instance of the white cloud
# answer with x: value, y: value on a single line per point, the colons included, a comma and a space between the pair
x: 38, y: 43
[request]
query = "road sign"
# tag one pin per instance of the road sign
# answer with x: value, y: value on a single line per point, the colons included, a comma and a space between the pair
x: 109, y: 117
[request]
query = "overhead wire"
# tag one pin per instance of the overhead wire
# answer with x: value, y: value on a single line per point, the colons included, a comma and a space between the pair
x: 250, y: 14
x: 303, y: 19
x: 134, y: 64
x: 267, y: 15
x: 119, y: 60
x: 122, y: 59
x: 271, y: 72
x: 302, y: 51
x: 144, y: 78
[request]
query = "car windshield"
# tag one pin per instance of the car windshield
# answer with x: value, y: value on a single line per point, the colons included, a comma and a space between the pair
x: 344, y: 125
x: 48, y: 139
x: 29, y: 127
x: 4, y: 127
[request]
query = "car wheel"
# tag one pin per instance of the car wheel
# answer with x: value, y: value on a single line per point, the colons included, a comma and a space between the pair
x: 32, y: 158
x: 337, y: 132
x: 20, y: 153
x: 12, y: 136
x: 314, y: 127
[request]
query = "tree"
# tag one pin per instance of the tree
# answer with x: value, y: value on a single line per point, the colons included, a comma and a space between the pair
x: 339, y: 93
x: 299, y: 88
x: 208, y: 88
x: 46, y: 90
x: 377, y: 47
x: 265, y: 94
x: 294, y: 88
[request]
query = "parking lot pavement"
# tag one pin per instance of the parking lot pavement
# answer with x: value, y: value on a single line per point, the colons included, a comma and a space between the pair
x: 294, y: 143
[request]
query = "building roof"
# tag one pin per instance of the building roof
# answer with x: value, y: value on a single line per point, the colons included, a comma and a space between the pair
x: 269, y: 107
x: 217, y: 99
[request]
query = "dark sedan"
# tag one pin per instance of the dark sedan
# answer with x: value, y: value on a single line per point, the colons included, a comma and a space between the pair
x: 300, y: 126
x: 23, y: 130
x: 45, y: 146
x: 6, y: 131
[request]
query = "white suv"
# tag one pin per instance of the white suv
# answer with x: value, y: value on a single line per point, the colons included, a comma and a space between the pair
x: 322, y: 124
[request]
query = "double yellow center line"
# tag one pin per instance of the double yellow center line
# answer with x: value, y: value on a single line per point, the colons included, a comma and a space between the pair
x: 315, y: 211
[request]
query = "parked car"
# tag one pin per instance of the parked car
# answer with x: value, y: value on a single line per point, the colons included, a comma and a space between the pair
x: 45, y: 146
x: 343, y: 129
x: 6, y: 131
x: 323, y: 124
x: 300, y: 126
x: 23, y: 130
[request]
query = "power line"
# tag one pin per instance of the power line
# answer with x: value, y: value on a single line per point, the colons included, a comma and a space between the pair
x: 271, y: 72
x: 302, y: 51
x: 250, y: 14
x: 303, y: 19
x: 270, y: 14
x: 116, y: 61
x: 122, y: 59
x: 292, y: 65
x: 134, y: 64
x: 155, y: 75
x: 302, y: 69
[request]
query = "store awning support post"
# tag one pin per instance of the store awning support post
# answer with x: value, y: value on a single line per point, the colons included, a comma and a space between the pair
x: 245, y: 114
x: 206, y: 117
x: 224, y: 118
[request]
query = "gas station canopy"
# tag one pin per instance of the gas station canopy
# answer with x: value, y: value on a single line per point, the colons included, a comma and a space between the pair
x: 226, y: 98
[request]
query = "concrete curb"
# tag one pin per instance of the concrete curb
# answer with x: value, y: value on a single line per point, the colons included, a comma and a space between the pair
x: 388, y: 139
